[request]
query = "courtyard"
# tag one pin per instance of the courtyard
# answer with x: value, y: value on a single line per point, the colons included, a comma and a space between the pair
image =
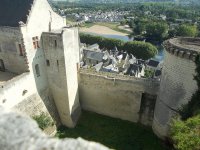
x: 113, y: 133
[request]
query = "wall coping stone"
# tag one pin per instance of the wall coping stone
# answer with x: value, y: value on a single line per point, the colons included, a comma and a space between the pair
x: 19, y: 132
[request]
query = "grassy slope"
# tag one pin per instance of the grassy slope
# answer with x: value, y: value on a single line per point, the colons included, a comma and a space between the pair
x: 113, y: 133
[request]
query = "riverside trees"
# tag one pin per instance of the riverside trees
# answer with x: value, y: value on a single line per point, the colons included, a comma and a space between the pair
x: 143, y: 50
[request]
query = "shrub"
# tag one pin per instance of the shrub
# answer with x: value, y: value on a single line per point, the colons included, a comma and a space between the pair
x: 186, y: 134
x: 140, y: 49
x: 43, y: 121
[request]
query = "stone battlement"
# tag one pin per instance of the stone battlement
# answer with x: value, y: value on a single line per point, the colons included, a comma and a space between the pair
x: 115, y: 76
x: 187, y: 48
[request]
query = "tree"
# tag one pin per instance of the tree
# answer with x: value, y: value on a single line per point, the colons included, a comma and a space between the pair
x: 141, y: 50
x: 107, y: 43
x: 157, y: 31
x: 187, y: 30
x: 90, y: 39
x: 186, y: 134
x: 110, y: 43
x: 139, y: 25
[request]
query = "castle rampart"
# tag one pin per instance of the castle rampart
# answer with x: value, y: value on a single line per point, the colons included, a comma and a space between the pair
x: 118, y: 96
x: 177, y: 82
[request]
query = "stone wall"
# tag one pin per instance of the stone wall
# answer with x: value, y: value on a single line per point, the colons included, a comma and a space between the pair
x: 61, y: 50
x: 37, y: 104
x: 19, y: 132
x: 177, y: 85
x: 27, y: 99
x: 10, y: 38
x: 116, y: 95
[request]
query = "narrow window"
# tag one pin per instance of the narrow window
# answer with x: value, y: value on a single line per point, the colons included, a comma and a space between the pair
x: 20, y: 50
x: 55, y: 43
x: 58, y: 65
x: 34, y: 45
x: 37, y: 41
x: 47, y: 62
x: 38, y: 44
x: 37, y: 70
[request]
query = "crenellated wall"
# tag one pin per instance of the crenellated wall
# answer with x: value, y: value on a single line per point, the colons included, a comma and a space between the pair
x: 118, y: 96
x: 177, y: 82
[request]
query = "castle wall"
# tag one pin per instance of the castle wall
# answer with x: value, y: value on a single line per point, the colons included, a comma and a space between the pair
x: 32, y: 89
x: 62, y: 55
x: 20, y: 94
x: 38, y: 95
x: 10, y: 38
x: 38, y: 22
x: 177, y: 87
x: 15, y: 88
x: 116, y: 96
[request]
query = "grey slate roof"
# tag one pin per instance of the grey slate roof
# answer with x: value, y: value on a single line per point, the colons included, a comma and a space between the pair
x: 134, y: 69
x: 153, y: 63
x: 14, y: 11
x: 158, y: 73
x: 93, y: 55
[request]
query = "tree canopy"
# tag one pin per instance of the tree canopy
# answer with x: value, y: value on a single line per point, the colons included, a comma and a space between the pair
x: 143, y: 50
x: 186, y: 134
x: 187, y: 30
x: 157, y: 30
x: 140, y: 49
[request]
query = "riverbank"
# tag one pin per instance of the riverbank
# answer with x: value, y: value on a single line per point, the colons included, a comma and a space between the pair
x: 100, y: 29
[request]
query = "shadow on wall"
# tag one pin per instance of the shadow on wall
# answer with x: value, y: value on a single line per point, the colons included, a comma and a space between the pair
x: 147, y: 107
x: 41, y: 81
x: 76, y: 109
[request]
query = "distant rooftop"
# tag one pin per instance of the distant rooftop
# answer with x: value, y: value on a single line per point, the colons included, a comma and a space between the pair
x: 192, y: 44
x: 14, y: 11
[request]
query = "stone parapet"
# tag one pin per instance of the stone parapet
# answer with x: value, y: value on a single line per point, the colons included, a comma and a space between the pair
x: 18, y: 132
x: 115, y: 76
x: 186, y: 48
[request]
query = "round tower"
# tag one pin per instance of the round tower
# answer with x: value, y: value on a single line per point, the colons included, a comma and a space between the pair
x: 177, y: 82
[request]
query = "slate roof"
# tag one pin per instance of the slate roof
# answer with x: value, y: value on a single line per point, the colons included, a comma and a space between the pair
x: 158, y: 73
x: 153, y: 63
x: 93, y: 46
x: 134, y: 69
x: 93, y: 55
x: 14, y: 11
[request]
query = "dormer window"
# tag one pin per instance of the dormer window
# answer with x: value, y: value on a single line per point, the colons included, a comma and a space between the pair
x: 36, y: 42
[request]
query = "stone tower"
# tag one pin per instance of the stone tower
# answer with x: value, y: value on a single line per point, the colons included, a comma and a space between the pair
x: 61, y: 49
x: 177, y: 82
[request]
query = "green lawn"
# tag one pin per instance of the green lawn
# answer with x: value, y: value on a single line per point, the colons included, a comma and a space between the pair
x: 113, y: 133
